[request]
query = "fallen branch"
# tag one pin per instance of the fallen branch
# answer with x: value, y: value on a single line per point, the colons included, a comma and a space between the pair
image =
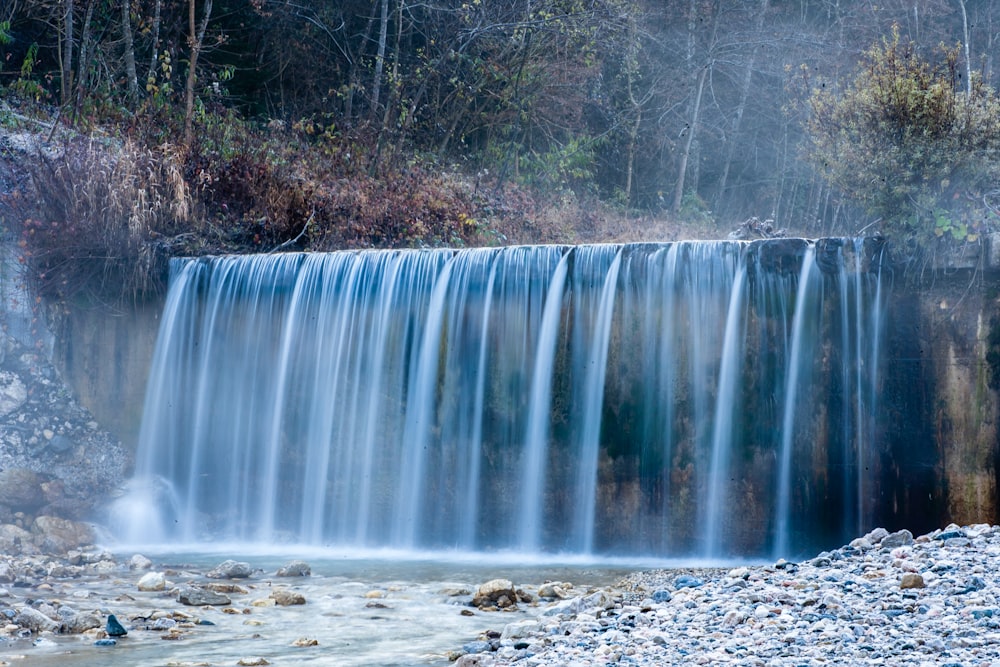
x: 290, y: 242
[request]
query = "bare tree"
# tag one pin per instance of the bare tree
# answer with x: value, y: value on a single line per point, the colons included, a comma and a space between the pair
x: 66, y: 68
x: 131, y: 77
x: 196, y: 42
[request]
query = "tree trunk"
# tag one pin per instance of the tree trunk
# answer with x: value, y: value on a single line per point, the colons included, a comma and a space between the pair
x: 689, y: 140
x: 196, y: 40
x: 633, y: 141
x: 965, y: 44
x: 151, y: 75
x: 132, y: 85
x: 84, y: 60
x: 380, y: 58
x: 740, y: 110
x: 66, y: 65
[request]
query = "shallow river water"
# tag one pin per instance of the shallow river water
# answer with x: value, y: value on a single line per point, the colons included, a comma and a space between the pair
x: 378, y: 609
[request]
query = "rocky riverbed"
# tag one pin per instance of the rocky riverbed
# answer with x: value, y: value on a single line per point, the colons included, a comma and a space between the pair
x: 884, y: 599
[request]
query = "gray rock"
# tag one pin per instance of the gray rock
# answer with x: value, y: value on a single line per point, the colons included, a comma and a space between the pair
x: 80, y: 623
x: 230, y: 569
x: 554, y: 589
x: 21, y: 490
x: 161, y: 624
x: 151, y: 582
x: 296, y: 568
x: 520, y: 629
x: 58, y: 536
x: 36, y: 621
x: 15, y: 540
x: 901, y: 538
x: 286, y: 598
x: 196, y: 597
x: 139, y: 562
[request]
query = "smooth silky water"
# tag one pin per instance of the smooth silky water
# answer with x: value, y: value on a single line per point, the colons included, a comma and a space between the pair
x: 418, y: 625
x: 597, y: 408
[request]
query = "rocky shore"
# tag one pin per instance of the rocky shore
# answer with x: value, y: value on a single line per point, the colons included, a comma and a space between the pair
x: 884, y: 599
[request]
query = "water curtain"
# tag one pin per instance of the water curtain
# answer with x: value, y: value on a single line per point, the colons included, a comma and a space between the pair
x: 697, y: 399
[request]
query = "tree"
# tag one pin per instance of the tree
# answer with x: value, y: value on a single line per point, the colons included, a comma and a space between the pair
x: 917, y: 147
x: 196, y: 41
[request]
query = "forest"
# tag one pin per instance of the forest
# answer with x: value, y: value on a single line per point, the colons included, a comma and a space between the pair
x: 197, y: 125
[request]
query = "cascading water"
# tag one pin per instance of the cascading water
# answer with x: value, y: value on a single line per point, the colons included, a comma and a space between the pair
x: 670, y: 400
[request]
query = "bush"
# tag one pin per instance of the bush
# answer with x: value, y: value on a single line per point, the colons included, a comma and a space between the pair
x: 100, y: 217
x: 913, y: 143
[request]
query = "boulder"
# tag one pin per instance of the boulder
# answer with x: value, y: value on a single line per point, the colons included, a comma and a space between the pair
x: 554, y: 589
x: 58, y: 536
x: 139, y: 562
x: 21, y: 490
x: 15, y: 540
x: 495, y: 593
x: 296, y: 568
x: 285, y: 598
x: 196, y: 597
x: 151, y: 582
x: 34, y: 620
x: 80, y: 623
x: 901, y: 538
x: 230, y: 569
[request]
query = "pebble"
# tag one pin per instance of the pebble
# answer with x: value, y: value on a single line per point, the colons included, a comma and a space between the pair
x: 885, y: 599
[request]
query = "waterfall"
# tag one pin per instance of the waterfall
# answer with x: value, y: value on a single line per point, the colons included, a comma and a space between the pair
x: 697, y: 399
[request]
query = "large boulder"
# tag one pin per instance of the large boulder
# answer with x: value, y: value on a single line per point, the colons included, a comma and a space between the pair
x: 36, y: 621
x: 58, y: 536
x: 21, y: 490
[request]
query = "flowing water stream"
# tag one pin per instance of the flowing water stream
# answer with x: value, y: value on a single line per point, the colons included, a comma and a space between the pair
x: 416, y: 620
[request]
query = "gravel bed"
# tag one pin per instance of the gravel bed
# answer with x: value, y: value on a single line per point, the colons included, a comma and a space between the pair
x: 884, y: 599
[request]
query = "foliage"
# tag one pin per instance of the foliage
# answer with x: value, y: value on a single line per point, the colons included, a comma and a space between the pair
x: 695, y: 209
x: 379, y: 122
x: 915, y: 144
x: 102, y: 217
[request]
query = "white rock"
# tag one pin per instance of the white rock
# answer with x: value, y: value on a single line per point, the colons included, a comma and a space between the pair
x: 139, y: 562
x: 152, y: 581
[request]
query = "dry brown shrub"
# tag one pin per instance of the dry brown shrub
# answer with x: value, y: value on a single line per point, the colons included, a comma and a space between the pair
x: 412, y: 207
x: 103, y: 217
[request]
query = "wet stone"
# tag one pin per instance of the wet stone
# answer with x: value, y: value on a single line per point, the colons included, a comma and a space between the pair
x: 230, y: 569
x: 196, y: 597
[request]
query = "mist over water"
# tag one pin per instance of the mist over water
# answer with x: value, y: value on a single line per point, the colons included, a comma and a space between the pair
x: 690, y: 400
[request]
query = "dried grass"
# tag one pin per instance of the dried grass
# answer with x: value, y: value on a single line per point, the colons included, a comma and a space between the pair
x: 102, y: 215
